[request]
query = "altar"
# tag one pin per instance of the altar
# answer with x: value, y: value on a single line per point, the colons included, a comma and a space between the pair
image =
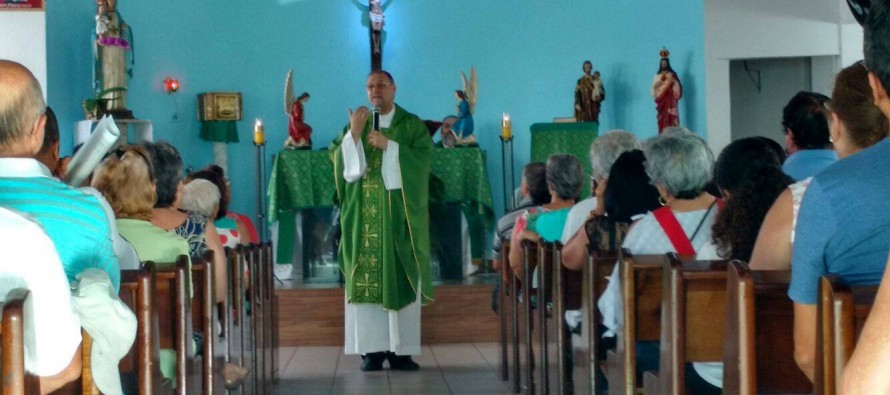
x: 566, y: 138
x: 303, y: 181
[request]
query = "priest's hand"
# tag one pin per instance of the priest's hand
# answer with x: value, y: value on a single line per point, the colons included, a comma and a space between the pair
x: 378, y: 140
x: 357, y: 121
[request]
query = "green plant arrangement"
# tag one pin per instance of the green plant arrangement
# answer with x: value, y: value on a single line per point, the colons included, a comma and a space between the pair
x: 94, y: 108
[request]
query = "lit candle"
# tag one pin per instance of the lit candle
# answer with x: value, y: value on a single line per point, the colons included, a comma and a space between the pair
x: 259, y: 136
x: 506, y: 133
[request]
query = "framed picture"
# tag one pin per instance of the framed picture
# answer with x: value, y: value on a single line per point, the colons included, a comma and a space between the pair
x: 22, y: 5
x: 219, y: 106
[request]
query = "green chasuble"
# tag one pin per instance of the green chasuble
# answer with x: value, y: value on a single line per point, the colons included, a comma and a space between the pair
x: 385, y: 244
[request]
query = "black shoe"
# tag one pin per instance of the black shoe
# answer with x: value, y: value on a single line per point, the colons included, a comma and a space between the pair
x: 401, y: 362
x: 372, y: 362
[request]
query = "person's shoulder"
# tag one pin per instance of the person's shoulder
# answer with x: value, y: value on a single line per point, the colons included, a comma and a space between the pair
x: 583, y: 207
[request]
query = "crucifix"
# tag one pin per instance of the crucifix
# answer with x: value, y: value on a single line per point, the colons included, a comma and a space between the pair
x: 374, y: 22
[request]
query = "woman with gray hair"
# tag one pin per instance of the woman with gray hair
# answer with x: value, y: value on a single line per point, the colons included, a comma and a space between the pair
x: 201, y: 196
x: 193, y: 227
x: 680, y: 166
x: 603, y: 152
x: 564, y: 179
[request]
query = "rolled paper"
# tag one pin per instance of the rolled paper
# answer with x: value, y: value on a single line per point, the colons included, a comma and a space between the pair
x: 103, y: 138
x: 506, y: 131
x: 259, y: 135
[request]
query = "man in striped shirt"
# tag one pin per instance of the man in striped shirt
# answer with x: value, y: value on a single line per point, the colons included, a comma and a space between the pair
x: 74, y: 221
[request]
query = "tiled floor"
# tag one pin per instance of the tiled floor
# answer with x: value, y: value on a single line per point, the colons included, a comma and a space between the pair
x: 444, y: 369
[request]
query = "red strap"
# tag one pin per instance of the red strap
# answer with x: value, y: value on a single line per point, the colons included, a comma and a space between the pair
x: 674, y: 231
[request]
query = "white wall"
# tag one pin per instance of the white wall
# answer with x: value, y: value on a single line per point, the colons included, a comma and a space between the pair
x: 758, y: 112
x: 754, y: 29
x: 23, y: 39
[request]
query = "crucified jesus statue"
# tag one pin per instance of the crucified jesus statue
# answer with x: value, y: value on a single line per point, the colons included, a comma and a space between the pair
x: 375, y: 19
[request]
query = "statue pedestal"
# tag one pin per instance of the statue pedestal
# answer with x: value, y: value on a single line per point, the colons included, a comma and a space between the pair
x: 132, y: 130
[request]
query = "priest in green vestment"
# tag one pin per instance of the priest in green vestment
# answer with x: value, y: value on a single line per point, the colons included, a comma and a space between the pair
x: 382, y: 190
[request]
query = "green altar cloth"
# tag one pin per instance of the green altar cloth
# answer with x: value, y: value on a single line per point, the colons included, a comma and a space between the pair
x: 305, y: 179
x: 567, y: 138
x: 219, y: 131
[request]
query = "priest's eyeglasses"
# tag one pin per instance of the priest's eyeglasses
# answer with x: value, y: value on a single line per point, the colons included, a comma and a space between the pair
x: 379, y: 85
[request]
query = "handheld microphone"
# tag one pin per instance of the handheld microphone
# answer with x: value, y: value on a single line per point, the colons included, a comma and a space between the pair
x: 376, y: 122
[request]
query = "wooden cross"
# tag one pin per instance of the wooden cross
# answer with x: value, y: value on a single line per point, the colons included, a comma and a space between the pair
x: 373, y: 18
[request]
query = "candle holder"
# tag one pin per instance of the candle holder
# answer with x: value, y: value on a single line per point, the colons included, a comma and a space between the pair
x: 259, y: 141
x: 508, y: 173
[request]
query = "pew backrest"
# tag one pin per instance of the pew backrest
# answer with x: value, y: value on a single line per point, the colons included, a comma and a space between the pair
x: 15, y: 379
x: 693, y: 317
x: 759, y: 340
x: 138, y: 292
x: 842, y: 312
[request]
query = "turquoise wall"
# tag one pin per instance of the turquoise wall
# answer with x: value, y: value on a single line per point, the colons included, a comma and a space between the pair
x: 528, y: 55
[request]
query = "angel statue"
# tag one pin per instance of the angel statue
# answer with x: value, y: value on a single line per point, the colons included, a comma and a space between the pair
x: 299, y: 133
x: 466, y: 106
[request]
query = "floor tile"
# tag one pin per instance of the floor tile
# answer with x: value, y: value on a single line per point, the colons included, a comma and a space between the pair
x: 445, y: 369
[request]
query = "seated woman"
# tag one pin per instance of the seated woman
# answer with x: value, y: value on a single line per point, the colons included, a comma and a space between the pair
x: 564, y: 178
x: 842, y: 227
x: 128, y: 184
x: 194, y: 228
x: 603, y: 152
x: 233, y: 228
x: 201, y: 197
x: 750, y: 177
x: 28, y: 260
x: 679, y: 163
x: 855, y: 123
x: 628, y: 194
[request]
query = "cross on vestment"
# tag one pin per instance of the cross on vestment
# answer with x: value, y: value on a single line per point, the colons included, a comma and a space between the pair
x: 368, y: 235
x: 367, y: 285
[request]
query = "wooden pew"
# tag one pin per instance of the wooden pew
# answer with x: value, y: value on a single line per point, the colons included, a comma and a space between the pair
x: 240, y: 328
x: 692, y: 321
x: 503, y: 317
x: 527, y: 317
x: 16, y: 381
x: 600, y: 265
x: 138, y: 292
x: 547, y: 320
x: 603, y: 249
x: 758, y: 355
x: 175, y: 321
x: 268, y: 293
x: 641, y: 285
x: 204, y: 319
x: 271, y: 314
x: 842, y: 311
x: 567, y: 291
x: 508, y: 308
x: 255, y: 309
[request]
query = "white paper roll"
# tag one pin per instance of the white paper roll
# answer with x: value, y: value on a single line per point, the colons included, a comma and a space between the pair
x: 103, y: 138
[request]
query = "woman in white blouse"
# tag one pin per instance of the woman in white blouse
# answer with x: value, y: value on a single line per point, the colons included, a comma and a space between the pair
x: 680, y: 164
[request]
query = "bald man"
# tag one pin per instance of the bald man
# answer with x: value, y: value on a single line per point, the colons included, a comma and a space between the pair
x: 28, y: 258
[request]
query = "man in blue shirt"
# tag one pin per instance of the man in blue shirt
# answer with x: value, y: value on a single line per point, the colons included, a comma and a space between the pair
x: 805, y: 120
x: 75, y: 221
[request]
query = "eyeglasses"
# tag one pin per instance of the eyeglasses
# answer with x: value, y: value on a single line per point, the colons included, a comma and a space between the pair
x: 122, y: 152
x: 379, y: 85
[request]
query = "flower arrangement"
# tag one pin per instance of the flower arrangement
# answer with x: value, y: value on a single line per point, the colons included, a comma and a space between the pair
x: 114, y: 42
